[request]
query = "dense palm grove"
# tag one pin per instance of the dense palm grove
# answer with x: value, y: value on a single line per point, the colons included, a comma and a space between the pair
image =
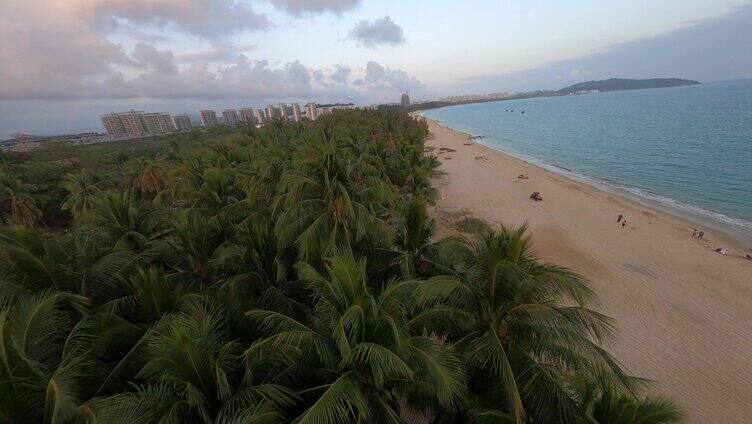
x: 284, y: 274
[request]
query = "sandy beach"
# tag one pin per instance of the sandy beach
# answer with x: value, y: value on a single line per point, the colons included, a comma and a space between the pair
x: 683, y: 312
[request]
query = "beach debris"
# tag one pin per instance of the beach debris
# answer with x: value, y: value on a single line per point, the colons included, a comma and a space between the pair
x: 483, y: 158
x: 749, y: 257
x: 536, y: 196
x: 522, y: 177
x: 722, y: 251
x: 448, y: 158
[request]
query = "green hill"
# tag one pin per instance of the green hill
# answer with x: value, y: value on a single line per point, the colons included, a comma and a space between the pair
x: 613, y: 84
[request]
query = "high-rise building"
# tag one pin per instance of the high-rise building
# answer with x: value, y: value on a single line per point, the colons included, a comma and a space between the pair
x: 231, y: 117
x: 259, y: 116
x: 151, y: 122
x: 134, y: 124
x: 158, y: 123
x: 271, y: 113
x: 114, y: 126
x: 246, y: 115
x: 311, y: 111
x: 166, y: 124
x: 296, y: 112
x: 182, y: 122
x: 208, y: 118
x: 405, y: 101
x: 283, y: 112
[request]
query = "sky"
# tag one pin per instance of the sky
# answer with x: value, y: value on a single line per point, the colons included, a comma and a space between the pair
x: 63, y: 63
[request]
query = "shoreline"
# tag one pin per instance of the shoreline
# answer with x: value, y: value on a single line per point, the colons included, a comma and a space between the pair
x: 681, y: 310
x: 725, y: 231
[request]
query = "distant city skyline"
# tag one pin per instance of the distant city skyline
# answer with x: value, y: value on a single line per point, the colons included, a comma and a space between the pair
x: 74, y: 60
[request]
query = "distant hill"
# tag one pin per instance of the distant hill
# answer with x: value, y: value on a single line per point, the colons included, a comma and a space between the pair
x: 625, y: 84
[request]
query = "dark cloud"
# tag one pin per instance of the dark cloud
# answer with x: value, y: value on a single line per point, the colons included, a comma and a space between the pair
x: 380, y: 31
x: 302, y: 7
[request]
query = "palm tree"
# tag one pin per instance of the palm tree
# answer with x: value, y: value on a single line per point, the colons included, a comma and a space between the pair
x: 418, y: 255
x: 32, y: 261
x: 147, y: 176
x: 81, y: 187
x: 191, y: 369
x: 18, y: 203
x: 322, y: 210
x: 606, y: 402
x: 529, y: 330
x: 355, y: 350
x: 47, y: 361
x: 122, y: 220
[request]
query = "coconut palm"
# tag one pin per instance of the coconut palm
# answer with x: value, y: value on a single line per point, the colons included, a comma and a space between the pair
x: 17, y: 201
x: 32, y: 261
x: 192, y: 366
x: 122, y: 220
x: 605, y: 402
x: 321, y: 209
x: 530, y: 330
x: 287, y: 273
x: 147, y: 176
x: 47, y: 361
x: 356, y: 349
x: 81, y: 187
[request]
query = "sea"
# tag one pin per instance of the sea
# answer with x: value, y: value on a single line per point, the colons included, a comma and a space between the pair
x: 685, y: 149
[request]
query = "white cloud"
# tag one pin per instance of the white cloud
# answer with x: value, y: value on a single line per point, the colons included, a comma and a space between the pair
x: 301, y: 7
x: 380, y: 31
x: 59, y: 50
x: 47, y: 52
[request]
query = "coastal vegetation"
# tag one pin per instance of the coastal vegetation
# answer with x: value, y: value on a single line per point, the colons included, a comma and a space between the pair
x: 284, y: 274
x: 613, y: 84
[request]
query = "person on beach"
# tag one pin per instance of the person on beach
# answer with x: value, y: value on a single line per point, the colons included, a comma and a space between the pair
x: 694, y: 232
x: 624, y: 223
x: 701, y: 234
x: 618, y: 219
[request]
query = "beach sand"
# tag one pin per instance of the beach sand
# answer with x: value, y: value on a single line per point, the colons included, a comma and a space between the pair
x: 683, y: 312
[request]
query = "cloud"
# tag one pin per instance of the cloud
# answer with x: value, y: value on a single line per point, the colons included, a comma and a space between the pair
x: 382, y: 79
x: 302, y: 7
x: 711, y: 49
x: 340, y: 74
x: 218, y: 52
x: 380, y: 31
x: 209, y: 19
x: 48, y: 52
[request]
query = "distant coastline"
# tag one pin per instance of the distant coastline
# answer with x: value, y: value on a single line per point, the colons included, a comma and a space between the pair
x: 611, y: 84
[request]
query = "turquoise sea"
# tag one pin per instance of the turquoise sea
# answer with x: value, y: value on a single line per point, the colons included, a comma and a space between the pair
x: 686, y: 148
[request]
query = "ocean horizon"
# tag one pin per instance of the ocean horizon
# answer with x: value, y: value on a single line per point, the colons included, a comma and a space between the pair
x: 685, y: 149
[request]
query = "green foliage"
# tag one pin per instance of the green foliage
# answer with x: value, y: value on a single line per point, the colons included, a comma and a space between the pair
x: 283, y: 274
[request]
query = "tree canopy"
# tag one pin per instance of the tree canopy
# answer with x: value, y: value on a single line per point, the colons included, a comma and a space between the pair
x: 289, y: 273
